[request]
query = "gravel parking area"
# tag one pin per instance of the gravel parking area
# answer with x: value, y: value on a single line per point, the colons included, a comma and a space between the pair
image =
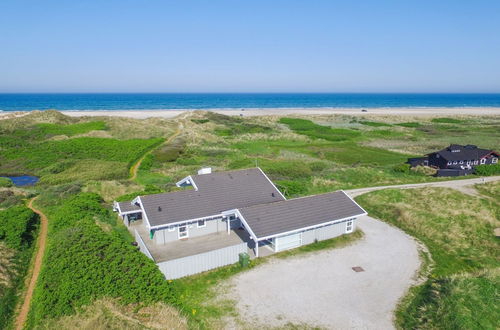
x: 321, y: 289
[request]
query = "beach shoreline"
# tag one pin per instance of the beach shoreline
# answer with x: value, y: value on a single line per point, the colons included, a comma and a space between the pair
x: 249, y: 112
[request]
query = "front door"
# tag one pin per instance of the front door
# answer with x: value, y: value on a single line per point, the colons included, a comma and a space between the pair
x: 183, y: 231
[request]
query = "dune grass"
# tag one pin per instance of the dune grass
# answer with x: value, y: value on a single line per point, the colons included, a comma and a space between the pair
x: 461, y: 292
x: 110, y: 314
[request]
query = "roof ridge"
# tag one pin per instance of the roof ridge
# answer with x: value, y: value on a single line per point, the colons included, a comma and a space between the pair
x: 296, y: 198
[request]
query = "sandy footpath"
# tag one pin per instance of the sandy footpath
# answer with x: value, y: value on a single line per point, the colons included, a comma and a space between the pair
x: 140, y: 114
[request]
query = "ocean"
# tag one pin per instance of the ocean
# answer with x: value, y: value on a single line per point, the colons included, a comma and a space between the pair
x: 155, y: 101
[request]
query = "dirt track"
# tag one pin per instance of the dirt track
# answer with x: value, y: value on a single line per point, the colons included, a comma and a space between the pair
x: 37, y: 265
x: 135, y: 167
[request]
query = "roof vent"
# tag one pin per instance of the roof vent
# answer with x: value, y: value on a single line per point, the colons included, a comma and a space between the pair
x: 205, y: 170
x: 159, y: 208
x: 272, y: 194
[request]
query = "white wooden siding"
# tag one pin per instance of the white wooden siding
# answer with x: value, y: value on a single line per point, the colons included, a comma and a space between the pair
x: 198, y: 263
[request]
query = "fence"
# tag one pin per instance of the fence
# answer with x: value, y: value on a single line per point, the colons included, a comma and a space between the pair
x: 198, y: 263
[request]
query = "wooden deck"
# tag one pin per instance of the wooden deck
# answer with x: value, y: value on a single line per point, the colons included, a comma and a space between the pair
x: 190, y: 246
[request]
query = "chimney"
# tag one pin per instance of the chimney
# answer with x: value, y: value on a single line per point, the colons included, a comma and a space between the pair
x: 205, y: 170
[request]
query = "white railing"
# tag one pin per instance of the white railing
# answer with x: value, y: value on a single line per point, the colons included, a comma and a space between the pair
x: 142, y: 245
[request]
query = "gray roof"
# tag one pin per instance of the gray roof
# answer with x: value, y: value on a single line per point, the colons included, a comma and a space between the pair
x: 217, y: 192
x: 128, y: 207
x: 467, y: 152
x: 295, y: 214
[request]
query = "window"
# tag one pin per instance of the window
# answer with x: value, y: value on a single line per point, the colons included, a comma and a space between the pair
x: 483, y: 161
x: 349, y: 226
x: 171, y: 228
x: 476, y: 162
x: 455, y: 163
x: 183, y: 231
x: 494, y: 160
x: 201, y: 223
x: 461, y: 162
x: 449, y: 163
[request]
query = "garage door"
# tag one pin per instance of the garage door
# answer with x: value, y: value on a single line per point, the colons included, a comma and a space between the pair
x: 287, y: 242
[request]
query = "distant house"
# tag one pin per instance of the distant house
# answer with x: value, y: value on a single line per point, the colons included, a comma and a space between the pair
x: 223, y: 214
x: 457, y: 159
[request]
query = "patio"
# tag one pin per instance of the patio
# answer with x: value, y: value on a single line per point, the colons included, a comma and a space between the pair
x: 190, y: 246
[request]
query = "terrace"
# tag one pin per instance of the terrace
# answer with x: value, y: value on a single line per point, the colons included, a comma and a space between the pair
x: 195, y: 245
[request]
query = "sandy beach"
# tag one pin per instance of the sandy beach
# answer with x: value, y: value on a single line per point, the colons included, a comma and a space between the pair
x: 167, y: 113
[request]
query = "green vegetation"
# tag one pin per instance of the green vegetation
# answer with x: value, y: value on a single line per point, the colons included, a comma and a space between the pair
x: 402, y: 168
x: 86, y: 259
x: 460, y: 292
x: 409, y: 124
x: 17, y: 228
x: 485, y: 170
x: 5, y: 182
x: 447, y: 121
x: 91, y: 267
x: 373, y: 123
x: 315, y: 131
x: 45, y: 129
x: 200, y: 121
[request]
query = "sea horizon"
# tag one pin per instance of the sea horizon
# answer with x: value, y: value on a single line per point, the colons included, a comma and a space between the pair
x: 191, y: 101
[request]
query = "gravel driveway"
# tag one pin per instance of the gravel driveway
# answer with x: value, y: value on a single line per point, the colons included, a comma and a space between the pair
x: 321, y: 289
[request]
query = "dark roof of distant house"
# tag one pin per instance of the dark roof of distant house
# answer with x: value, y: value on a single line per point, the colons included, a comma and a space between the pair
x: 294, y: 214
x: 128, y: 207
x: 217, y: 192
x: 460, y: 152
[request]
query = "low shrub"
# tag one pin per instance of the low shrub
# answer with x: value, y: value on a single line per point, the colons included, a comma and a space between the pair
x: 8, y: 198
x: 170, y: 152
x: 292, y: 188
x: 402, y: 168
x: 286, y: 169
x: 423, y: 170
x: 485, y: 170
x: 5, y: 182
x: 447, y: 121
x: 84, y: 263
x: 409, y: 124
x: 373, y: 123
x: 315, y: 131
x: 147, y: 162
x: 200, y: 121
x: 16, y: 226
x: 149, y: 190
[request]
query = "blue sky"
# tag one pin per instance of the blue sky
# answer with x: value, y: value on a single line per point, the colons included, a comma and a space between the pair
x: 249, y: 46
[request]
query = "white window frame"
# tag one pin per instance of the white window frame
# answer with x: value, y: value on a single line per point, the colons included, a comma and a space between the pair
x: 494, y: 160
x: 204, y: 223
x: 184, y: 225
x: 483, y: 161
x: 449, y: 163
x: 171, y: 228
x: 461, y: 162
x: 476, y: 162
x: 349, y: 226
x: 455, y: 162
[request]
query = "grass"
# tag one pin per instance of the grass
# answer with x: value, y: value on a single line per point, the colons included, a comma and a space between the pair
x: 315, y: 131
x: 110, y: 314
x: 447, y: 121
x: 373, y: 123
x: 458, y: 231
